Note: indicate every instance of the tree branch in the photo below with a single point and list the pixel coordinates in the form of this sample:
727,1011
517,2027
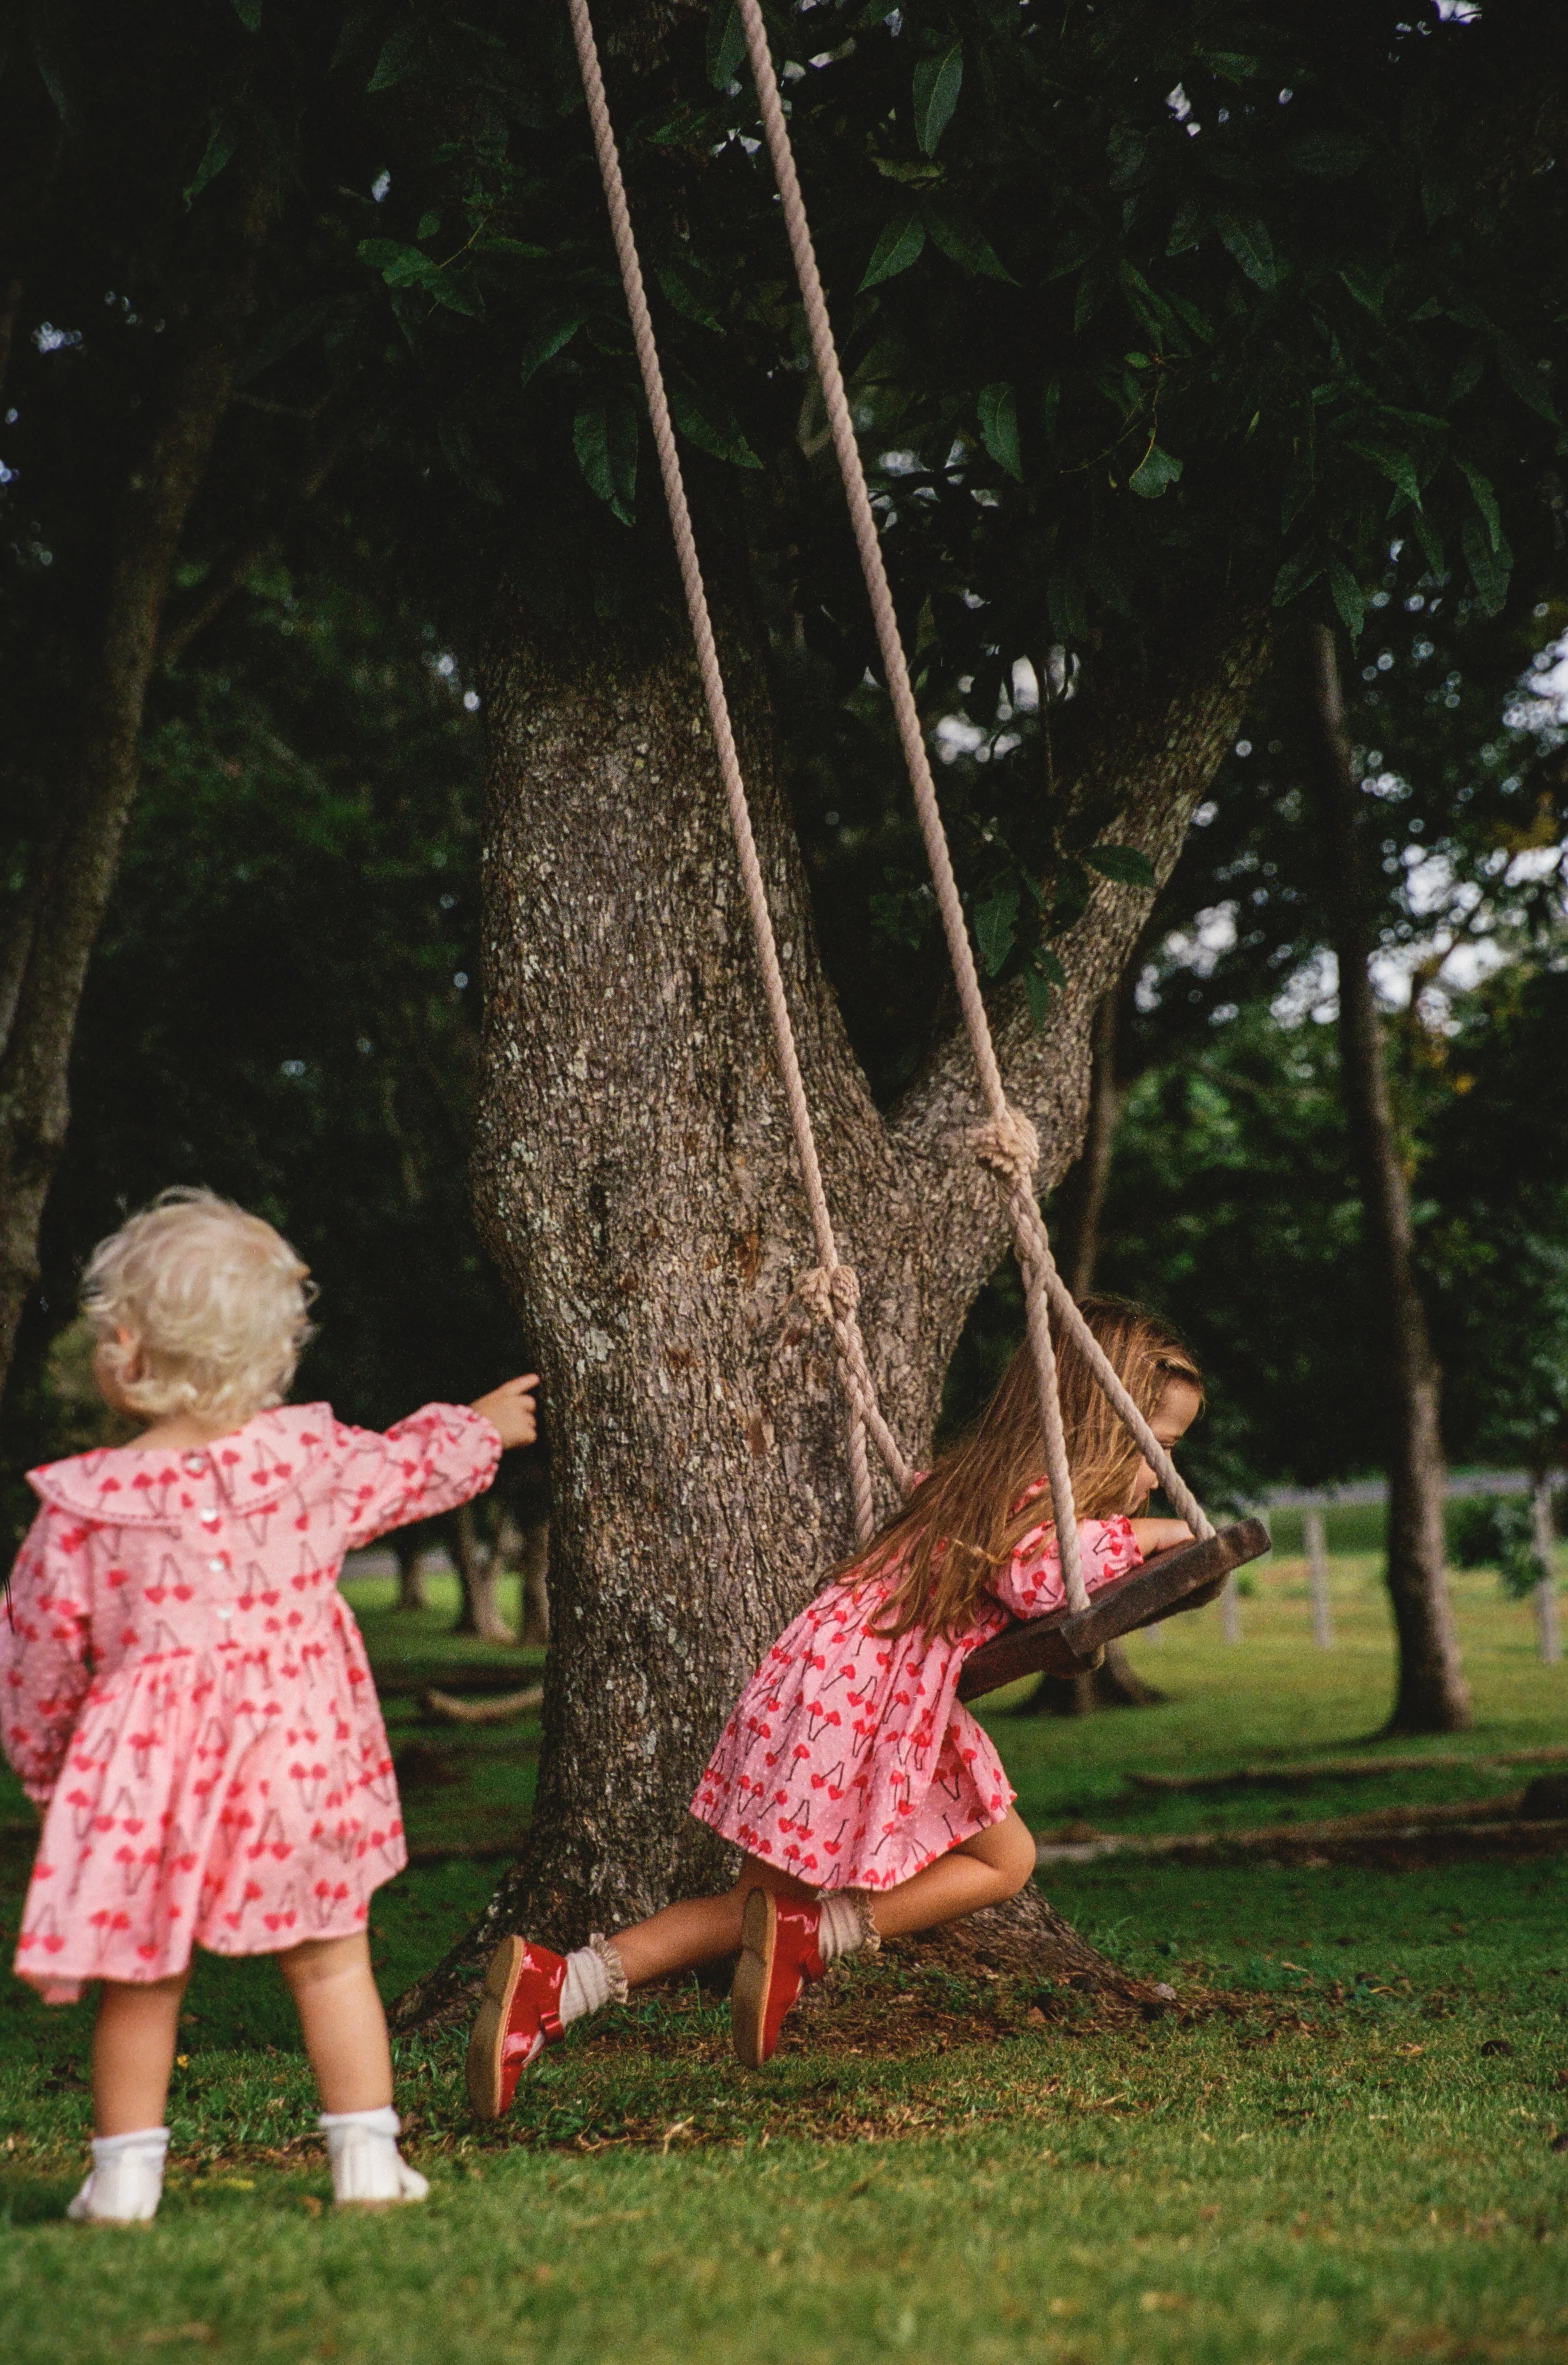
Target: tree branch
1155,763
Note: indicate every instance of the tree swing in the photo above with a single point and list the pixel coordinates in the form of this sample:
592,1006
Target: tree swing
1072,1638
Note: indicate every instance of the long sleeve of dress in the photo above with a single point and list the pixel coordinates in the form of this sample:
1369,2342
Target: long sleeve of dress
1031,1585
441,1456
45,1624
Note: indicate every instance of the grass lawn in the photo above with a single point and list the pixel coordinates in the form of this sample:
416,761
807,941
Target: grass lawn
1354,2161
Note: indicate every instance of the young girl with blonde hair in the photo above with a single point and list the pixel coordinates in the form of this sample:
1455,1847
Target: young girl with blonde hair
184,1693
866,1801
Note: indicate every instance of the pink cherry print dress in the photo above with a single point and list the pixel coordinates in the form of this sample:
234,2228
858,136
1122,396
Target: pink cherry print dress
183,1690
848,1761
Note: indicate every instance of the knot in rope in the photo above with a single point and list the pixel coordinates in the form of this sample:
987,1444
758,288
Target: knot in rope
831,1291
1009,1145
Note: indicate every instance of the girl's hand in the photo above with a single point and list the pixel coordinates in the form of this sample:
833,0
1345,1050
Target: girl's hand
509,1411
1158,1535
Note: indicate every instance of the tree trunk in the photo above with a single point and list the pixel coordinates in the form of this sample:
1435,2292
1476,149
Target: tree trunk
1547,1629
536,1585
1432,1696
635,1182
1115,1683
1078,1208
408,1548
480,1566
77,876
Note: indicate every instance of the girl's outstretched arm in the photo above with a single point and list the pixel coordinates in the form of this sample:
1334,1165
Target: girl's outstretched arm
45,1623
1031,1585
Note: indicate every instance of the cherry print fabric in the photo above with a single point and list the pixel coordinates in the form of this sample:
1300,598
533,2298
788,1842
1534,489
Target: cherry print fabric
848,1760
184,1691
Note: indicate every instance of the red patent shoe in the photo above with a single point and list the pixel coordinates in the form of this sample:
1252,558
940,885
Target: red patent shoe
779,1955
518,2015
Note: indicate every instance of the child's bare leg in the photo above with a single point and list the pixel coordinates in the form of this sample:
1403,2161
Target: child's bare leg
700,1929
133,2052
343,2024
995,1864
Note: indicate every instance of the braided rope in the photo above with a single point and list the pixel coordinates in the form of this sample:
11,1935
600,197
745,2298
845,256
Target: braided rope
1007,1144
832,1291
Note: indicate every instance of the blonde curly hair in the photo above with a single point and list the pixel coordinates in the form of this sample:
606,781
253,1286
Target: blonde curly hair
212,1302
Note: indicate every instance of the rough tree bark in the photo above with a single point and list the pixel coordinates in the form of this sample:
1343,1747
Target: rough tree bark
637,1188
1432,1694
535,1584
76,872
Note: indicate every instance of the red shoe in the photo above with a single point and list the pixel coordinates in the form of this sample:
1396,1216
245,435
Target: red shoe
520,2014
779,1955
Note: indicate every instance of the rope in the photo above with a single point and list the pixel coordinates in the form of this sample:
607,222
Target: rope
1007,1145
832,1291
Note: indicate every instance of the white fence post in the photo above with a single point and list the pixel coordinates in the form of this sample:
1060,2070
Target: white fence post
1317,1563
1547,1635
1230,1611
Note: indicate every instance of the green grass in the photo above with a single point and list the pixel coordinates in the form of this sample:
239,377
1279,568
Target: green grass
1355,2161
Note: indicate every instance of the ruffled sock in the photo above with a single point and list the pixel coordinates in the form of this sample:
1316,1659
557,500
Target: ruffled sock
846,1927
595,1976
367,2167
126,2182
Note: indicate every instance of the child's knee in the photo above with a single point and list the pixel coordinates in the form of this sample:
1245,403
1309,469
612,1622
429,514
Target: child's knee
1015,1856
316,1960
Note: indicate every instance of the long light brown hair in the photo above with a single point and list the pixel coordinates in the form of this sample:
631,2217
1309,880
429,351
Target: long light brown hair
965,1520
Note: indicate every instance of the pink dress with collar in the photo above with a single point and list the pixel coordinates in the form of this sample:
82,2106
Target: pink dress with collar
183,1690
848,1760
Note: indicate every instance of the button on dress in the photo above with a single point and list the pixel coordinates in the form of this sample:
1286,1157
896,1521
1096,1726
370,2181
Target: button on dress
848,1761
185,1693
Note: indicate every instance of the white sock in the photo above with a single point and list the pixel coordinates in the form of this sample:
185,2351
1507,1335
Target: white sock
595,1976
126,2182
362,2147
846,1927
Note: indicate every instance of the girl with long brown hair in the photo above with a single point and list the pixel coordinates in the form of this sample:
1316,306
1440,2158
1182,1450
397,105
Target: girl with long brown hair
866,1801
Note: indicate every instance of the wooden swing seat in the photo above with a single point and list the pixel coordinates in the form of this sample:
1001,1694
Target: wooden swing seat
1068,1641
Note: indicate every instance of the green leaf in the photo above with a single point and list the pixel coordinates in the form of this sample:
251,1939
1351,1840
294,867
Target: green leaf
709,423
902,243
549,339
1187,228
1066,604
687,293
285,335
1247,241
1490,569
220,145
1037,991
996,925
1468,372
1154,473
1295,574
726,44
1398,466
1049,966
1431,543
430,226
401,53
604,436
249,14
997,407
457,451
1368,287
967,246
1486,501
1231,65
1298,487
456,291
1125,864
1329,155
1527,382
1347,597
937,81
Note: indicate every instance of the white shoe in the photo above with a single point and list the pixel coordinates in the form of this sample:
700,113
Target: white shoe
368,2169
127,2180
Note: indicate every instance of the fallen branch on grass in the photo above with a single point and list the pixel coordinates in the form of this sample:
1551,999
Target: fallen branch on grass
447,1705
1301,1775
1483,1826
